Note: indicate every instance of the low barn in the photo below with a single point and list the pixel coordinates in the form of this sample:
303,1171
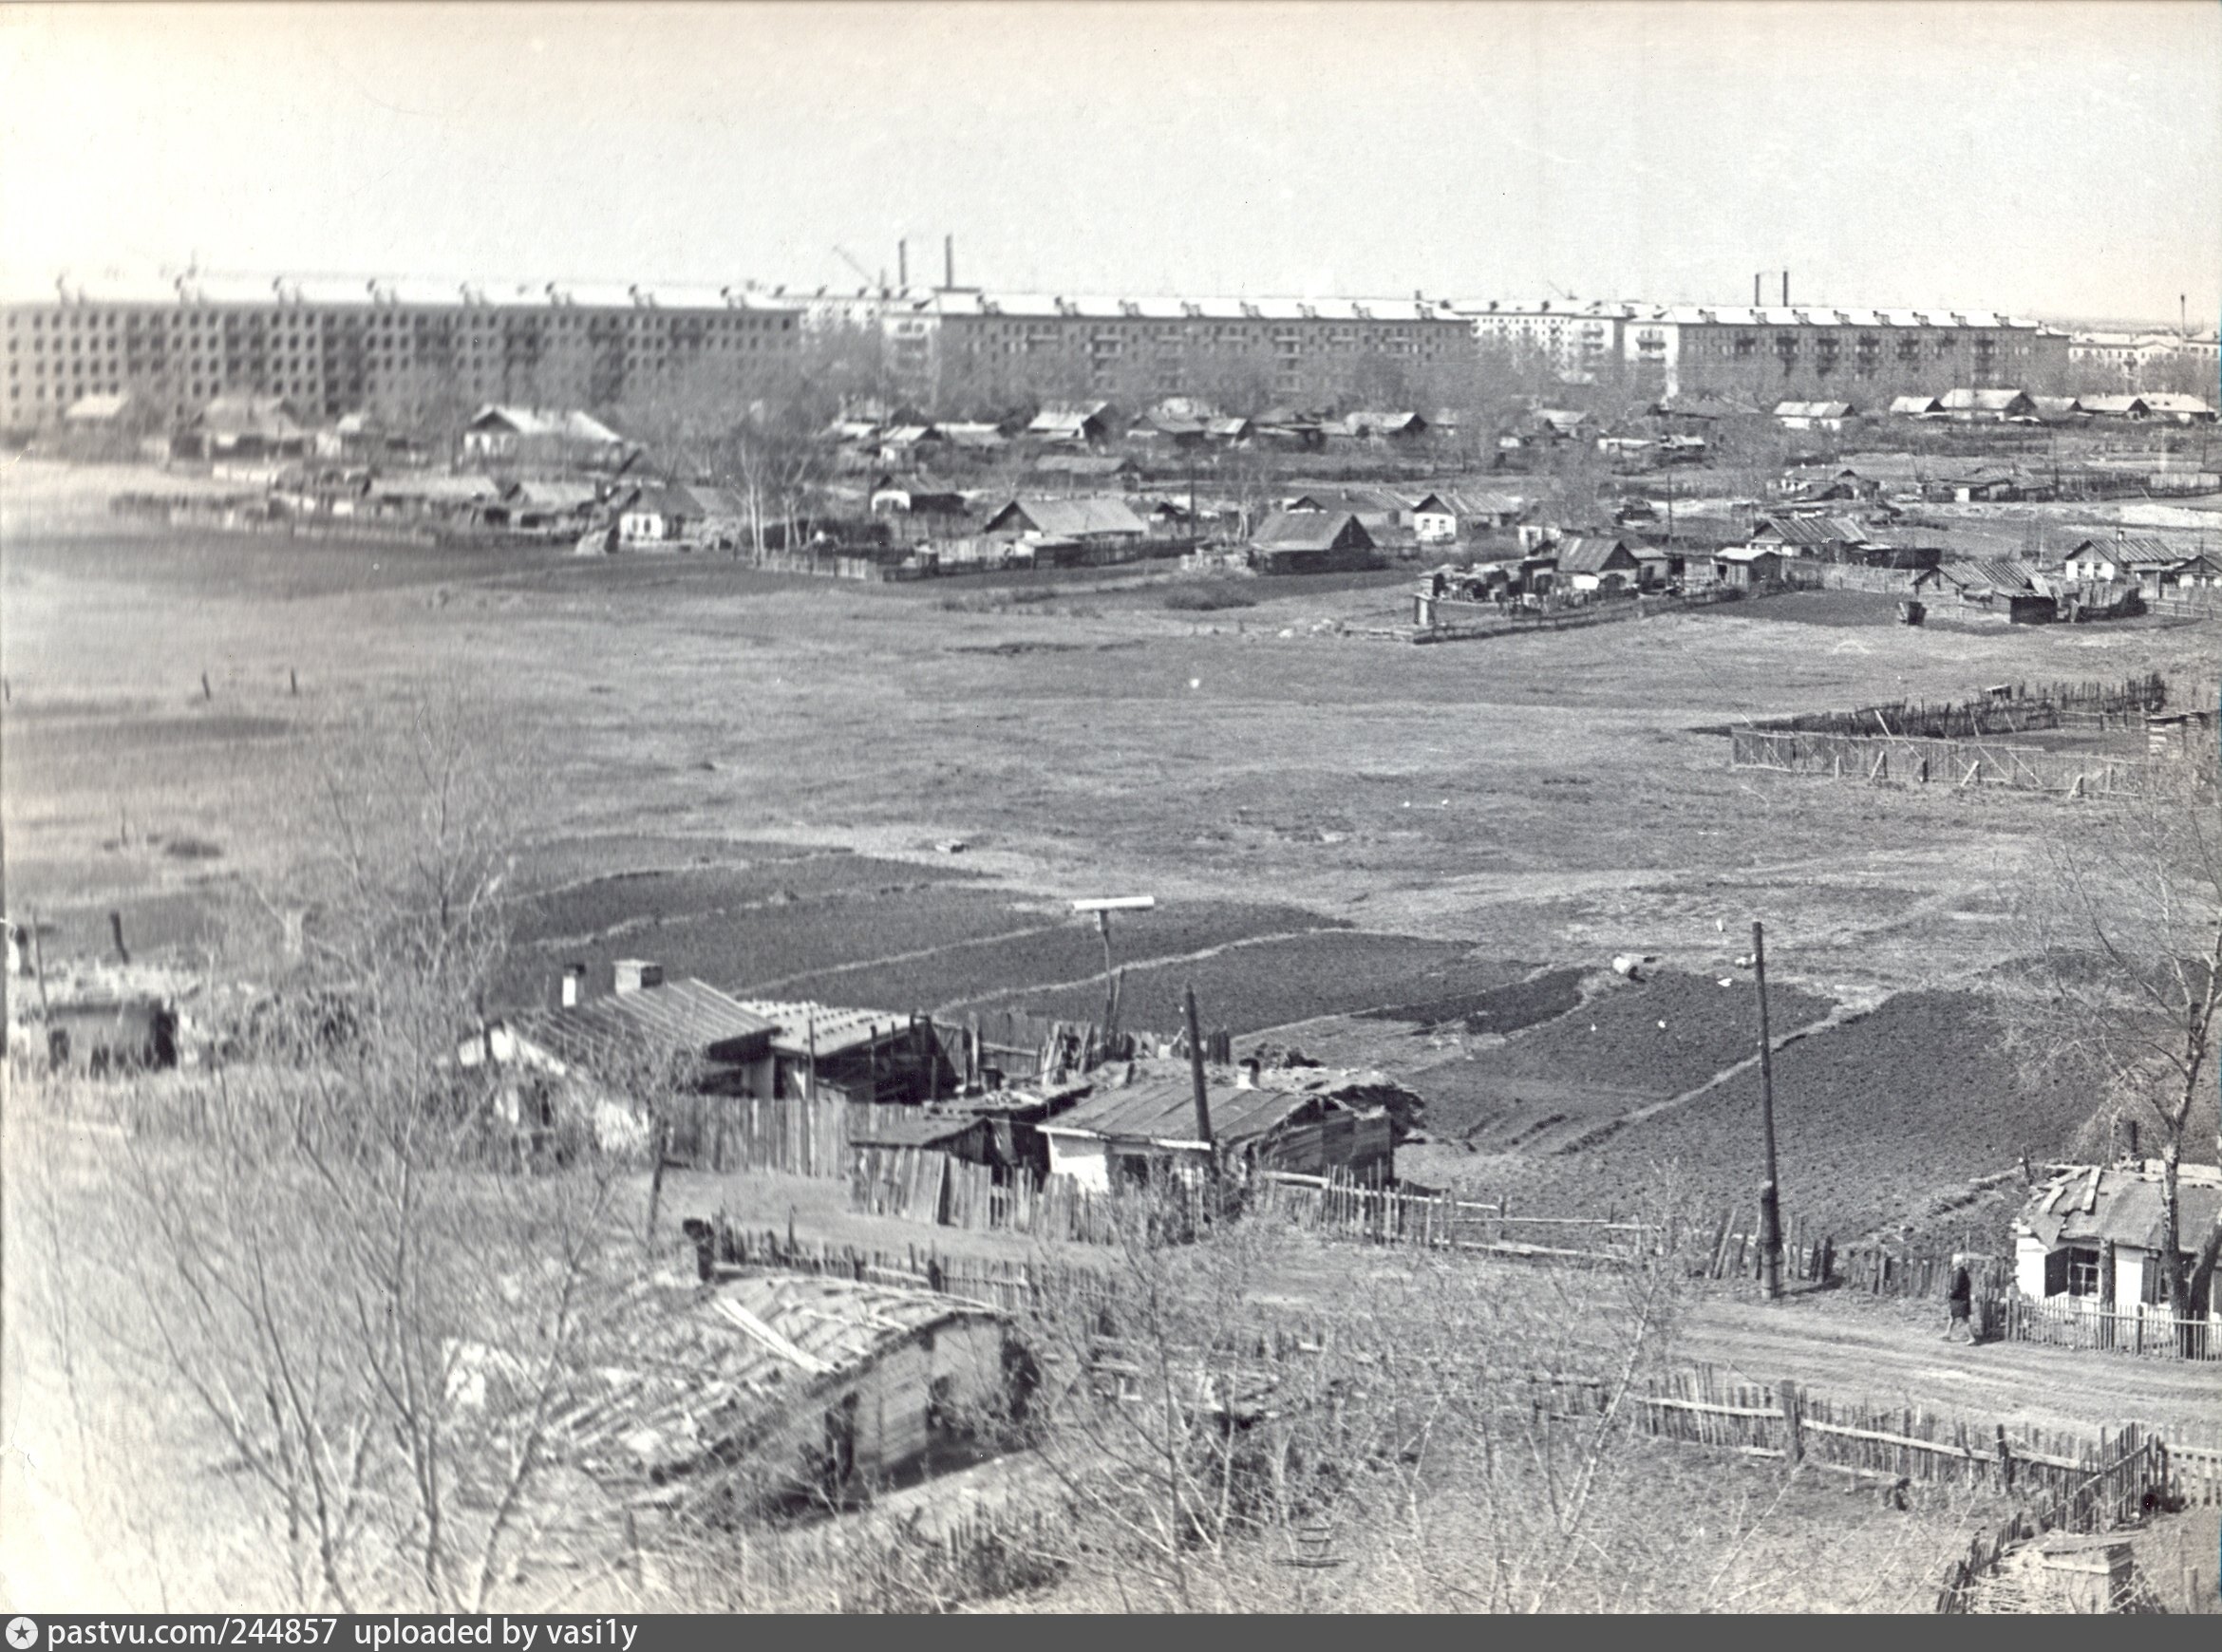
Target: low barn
2093,1232
797,1391
856,1055
1315,1120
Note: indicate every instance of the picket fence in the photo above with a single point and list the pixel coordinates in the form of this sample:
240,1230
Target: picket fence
939,1190
743,1133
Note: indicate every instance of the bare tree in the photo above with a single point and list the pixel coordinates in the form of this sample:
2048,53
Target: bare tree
2123,981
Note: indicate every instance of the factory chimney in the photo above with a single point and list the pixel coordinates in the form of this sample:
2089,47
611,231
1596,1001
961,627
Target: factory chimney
1757,298
1785,290
949,262
902,266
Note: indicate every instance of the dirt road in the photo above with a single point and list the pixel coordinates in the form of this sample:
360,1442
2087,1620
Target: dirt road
1881,1354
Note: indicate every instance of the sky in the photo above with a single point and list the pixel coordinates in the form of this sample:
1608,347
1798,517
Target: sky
2052,158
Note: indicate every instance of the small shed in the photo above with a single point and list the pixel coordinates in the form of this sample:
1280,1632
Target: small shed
1747,566
802,1390
1590,562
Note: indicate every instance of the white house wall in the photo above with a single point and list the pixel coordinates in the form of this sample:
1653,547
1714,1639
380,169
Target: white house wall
1082,1157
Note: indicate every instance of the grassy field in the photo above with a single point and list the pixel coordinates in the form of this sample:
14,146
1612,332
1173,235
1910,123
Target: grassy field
745,776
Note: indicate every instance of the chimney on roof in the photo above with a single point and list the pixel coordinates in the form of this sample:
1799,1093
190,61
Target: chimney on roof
637,975
1245,1075
574,984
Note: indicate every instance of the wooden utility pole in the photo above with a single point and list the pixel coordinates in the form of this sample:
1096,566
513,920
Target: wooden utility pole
1196,1074
1770,1195
1110,978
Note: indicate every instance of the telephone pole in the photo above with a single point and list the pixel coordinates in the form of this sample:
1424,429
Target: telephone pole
1770,1195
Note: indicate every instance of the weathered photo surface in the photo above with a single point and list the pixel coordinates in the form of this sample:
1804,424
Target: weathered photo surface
1125,808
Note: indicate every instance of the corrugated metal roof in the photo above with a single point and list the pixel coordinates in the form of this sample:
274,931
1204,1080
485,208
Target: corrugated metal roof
1589,555
1075,518
1310,531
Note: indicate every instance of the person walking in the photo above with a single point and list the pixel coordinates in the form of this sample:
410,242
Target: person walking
1960,1302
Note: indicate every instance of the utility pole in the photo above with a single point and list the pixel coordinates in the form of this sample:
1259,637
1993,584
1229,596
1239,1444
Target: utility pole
1770,1195
1196,1074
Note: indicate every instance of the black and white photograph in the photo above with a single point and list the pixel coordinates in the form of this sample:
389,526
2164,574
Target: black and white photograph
1102,808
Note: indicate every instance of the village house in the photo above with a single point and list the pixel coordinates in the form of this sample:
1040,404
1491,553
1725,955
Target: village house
1973,406
645,1018
1915,406
1438,519
1310,542
806,1391
1101,521
1747,566
2115,406
549,437
535,505
1399,427
2177,409
1140,1127
243,427
1594,563
1813,415
1087,426
2057,409
2156,568
2092,1233
1831,538
2000,585
671,514
876,1056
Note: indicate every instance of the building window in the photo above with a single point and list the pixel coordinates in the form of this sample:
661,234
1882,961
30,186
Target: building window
2082,1272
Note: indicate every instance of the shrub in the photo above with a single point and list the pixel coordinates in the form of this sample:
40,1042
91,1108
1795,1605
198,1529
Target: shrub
1206,598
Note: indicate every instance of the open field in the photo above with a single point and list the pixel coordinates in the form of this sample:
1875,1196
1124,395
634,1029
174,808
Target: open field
745,776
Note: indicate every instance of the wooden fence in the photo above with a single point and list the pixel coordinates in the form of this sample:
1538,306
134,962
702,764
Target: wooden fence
928,1186
2070,1322
796,1138
2115,1486
1959,764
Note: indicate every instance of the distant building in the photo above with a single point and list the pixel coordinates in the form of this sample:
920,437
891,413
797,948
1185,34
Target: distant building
333,346
1084,520
1812,415
1997,406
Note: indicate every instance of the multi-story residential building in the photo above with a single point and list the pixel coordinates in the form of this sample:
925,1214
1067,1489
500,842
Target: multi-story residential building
1862,356
1577,339
2143,361
333,346
959,342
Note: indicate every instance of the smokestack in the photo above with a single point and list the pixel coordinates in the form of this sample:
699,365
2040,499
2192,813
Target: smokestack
903,264
948,261
1785,290
1756,298
574,984
637,975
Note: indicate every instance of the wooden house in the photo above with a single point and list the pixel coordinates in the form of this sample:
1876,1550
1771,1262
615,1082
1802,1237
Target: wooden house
1592,562
1747,566
1813,415
856,1055
800,1391
1101,521
2092,1233
1139,1127
1310,542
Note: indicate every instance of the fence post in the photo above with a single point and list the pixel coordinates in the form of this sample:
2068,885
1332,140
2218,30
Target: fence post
1793,1434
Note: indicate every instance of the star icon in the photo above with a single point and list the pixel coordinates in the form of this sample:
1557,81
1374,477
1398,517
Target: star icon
22,1634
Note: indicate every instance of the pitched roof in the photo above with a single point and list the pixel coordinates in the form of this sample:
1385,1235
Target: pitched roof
1812,409
1813,530
241,414
1083,465
801,1025
1159,1104
1074,519
1914,404
96,409
1589,555
570,423
2171,402
717,1362
2113,404
1310,531
2125,1206
1987,573
1973,400
683,1014
2134,551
